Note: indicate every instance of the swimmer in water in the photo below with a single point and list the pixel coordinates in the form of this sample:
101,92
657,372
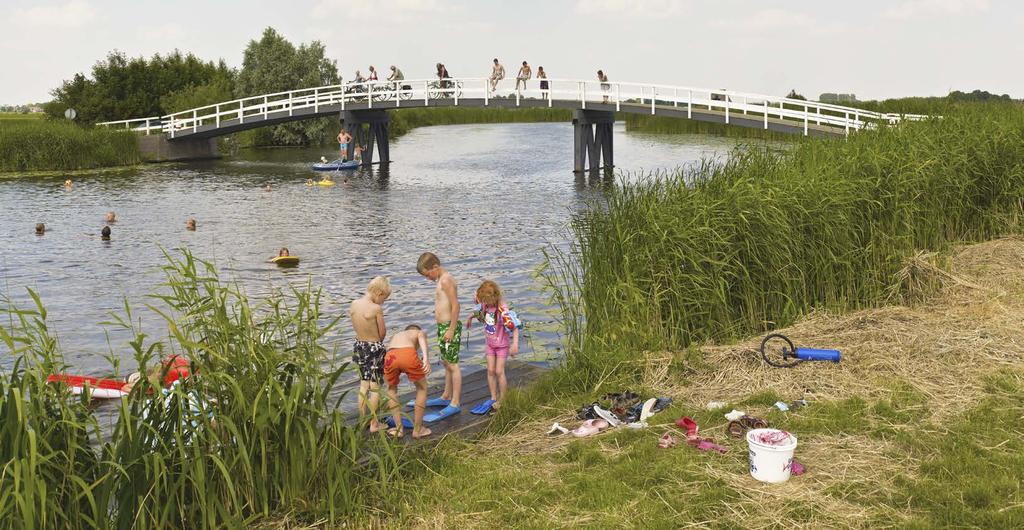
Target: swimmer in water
190,224
309,182
283,253
68,184
111,217
40,229
105,233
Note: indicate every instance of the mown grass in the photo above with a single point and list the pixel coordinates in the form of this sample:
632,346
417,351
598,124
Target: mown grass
265,439
39,145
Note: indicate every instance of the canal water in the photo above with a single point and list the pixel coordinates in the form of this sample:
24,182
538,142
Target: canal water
486,198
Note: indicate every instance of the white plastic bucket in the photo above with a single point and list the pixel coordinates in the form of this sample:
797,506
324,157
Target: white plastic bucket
770,463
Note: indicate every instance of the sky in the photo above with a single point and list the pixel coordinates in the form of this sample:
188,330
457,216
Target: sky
874,49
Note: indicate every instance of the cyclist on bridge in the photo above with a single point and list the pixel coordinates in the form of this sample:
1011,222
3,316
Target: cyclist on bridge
396,74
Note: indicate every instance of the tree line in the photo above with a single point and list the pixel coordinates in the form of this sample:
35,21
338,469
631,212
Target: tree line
122,87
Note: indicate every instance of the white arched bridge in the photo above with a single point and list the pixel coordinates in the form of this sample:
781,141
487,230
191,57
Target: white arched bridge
595,104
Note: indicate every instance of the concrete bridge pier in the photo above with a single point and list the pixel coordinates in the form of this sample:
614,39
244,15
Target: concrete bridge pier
378,120
592,140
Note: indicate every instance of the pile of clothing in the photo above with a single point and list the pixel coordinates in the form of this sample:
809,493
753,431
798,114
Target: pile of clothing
613,410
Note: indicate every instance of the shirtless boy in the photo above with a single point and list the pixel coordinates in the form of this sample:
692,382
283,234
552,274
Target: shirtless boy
368,351
449,334
401,359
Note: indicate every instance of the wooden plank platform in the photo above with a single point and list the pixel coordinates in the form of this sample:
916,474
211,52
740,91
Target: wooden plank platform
474,392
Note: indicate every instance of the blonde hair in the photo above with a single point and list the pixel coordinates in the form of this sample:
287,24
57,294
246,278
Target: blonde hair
488,293
379,286
426,262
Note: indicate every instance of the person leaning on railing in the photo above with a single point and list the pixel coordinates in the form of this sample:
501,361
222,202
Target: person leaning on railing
605,87
544,86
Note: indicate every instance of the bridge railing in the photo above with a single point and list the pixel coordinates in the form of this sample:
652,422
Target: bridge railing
729,105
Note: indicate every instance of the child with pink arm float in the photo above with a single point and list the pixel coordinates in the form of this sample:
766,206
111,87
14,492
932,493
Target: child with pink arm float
501,335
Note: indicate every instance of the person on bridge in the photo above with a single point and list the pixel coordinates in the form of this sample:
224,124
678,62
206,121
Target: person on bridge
525,73
396,75
373,74
443,76
544,86
358,78
497,74
605,87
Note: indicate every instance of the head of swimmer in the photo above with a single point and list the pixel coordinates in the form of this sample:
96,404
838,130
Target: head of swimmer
283,252
190,224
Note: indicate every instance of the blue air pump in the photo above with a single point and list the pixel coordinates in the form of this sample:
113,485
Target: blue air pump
778,351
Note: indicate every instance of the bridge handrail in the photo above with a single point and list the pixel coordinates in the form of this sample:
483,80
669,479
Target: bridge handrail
816,111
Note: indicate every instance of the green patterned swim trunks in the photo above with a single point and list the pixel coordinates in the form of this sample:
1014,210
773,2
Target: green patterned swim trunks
449,350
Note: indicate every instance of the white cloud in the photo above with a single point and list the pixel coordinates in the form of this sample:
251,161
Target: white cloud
644,8
73,14
918,8
768,19
380,8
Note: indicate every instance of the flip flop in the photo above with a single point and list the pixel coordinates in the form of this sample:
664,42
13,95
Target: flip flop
607,416
390,422
483,408
439,415
648,409
557,429
432,402
589,427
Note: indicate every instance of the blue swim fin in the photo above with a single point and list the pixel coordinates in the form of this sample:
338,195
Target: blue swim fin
390,422
446,412
432,402
483,408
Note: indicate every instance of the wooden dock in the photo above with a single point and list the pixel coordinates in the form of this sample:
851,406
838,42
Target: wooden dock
474,392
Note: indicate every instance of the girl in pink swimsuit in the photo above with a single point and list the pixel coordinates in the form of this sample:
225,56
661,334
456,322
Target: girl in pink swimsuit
501,335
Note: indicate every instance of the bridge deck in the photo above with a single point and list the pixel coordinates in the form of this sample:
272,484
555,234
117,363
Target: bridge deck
751,120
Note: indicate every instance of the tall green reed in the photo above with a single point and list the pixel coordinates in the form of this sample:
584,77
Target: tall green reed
729,248
255,434
36,145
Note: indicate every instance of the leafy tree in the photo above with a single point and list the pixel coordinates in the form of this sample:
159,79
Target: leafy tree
272,64
123,88
217,91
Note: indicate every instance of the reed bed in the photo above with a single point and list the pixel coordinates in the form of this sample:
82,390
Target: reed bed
254,435
39,145
727,249
646,123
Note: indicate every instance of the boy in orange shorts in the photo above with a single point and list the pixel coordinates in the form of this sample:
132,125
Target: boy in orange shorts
401,359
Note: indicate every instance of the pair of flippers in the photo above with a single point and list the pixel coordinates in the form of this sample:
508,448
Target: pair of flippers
448,410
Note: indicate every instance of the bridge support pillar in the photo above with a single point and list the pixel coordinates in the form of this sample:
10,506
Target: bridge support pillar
592,140
375,135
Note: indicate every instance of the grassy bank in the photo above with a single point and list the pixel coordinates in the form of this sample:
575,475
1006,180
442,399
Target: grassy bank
666,290
403,121
917,427
256,433
724,250
663,125
32,144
